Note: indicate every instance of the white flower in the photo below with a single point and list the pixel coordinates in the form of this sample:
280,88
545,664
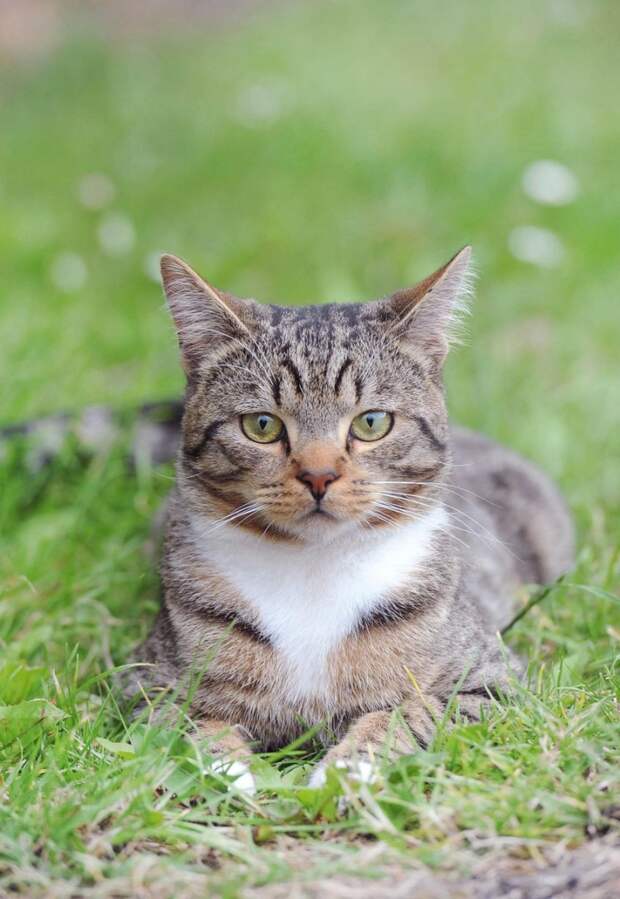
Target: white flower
263,102
116,234
536,245
550,183
95,191
68,272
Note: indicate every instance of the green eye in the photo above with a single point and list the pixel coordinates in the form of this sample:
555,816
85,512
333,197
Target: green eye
372,425
262,427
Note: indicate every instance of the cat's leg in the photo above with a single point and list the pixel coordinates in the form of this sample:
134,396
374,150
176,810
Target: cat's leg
378,736
372,737
228,743
231,750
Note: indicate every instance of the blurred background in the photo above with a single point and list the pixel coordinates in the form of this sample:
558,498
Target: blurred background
311,152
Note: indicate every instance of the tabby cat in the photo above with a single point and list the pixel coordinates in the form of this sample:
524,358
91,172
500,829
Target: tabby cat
335,551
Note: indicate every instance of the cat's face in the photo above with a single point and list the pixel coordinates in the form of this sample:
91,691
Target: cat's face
304,423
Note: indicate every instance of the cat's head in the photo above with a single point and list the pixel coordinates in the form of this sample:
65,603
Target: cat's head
304,423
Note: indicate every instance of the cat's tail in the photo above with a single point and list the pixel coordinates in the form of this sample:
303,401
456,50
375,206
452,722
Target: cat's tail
151,432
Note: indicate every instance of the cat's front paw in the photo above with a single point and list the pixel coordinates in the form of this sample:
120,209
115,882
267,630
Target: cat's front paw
361,769
237,771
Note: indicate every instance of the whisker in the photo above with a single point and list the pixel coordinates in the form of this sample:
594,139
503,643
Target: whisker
465,527
267,528
375,513
449,531
453,488
405,497
238,520
240,512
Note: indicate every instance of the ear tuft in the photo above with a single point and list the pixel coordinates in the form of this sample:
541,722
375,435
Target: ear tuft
204,317
431,313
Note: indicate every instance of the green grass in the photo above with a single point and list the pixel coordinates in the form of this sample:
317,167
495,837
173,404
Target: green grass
392,134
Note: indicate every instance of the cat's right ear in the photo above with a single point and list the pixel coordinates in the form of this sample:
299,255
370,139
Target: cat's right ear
429,314
205,318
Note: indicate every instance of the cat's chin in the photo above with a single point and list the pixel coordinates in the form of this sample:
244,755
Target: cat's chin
321,528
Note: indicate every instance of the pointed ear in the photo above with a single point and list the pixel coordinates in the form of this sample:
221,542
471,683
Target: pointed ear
205,318
430,313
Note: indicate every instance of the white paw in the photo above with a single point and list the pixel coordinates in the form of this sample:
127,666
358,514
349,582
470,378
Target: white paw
239,773
318,777
360,770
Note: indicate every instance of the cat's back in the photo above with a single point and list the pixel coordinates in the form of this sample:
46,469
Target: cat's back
504,497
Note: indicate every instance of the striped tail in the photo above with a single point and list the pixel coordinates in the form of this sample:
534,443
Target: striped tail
153,431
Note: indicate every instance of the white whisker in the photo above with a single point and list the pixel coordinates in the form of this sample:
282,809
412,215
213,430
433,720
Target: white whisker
452,488
237,515
405,497
410,515
464,526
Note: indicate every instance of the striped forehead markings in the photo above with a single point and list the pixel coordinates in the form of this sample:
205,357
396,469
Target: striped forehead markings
341,373
295,374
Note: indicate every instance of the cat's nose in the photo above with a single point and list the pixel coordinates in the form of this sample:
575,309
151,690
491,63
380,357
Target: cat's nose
317,482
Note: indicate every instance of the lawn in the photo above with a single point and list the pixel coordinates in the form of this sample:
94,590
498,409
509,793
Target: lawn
318,151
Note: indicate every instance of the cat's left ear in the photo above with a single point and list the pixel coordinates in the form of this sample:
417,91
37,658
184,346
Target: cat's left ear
206,319
430,313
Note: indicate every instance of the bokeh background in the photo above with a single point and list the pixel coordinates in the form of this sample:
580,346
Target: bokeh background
318,151
310,152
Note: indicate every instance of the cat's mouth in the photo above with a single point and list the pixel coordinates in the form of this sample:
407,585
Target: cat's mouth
318,510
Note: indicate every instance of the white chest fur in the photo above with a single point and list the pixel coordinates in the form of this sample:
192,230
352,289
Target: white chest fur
308,598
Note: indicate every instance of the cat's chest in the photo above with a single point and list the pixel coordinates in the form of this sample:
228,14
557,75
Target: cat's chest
309,599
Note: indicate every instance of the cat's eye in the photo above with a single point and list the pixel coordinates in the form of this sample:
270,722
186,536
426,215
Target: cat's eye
372,425
262,427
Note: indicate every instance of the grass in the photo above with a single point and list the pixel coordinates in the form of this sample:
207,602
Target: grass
319,151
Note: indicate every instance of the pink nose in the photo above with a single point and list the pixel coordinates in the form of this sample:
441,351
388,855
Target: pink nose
317,482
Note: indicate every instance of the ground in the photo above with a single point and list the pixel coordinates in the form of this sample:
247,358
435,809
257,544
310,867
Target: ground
313,152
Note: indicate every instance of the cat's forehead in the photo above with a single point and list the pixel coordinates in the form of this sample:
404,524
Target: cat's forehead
324,359
317,333
340,314
315,342
315,363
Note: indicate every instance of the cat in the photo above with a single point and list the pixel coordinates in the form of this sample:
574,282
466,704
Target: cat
337,556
